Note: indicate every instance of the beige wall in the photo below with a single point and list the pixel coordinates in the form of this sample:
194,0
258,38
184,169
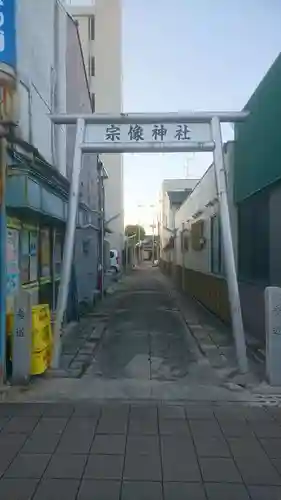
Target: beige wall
107,49
107,87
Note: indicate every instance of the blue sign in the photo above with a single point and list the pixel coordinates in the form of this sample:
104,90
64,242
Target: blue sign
7,33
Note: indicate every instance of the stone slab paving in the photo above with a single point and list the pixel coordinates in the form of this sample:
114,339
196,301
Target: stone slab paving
85,451
79,345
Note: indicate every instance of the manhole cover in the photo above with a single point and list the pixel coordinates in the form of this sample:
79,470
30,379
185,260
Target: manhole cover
268,399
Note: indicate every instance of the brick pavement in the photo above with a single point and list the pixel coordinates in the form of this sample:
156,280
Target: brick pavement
86,451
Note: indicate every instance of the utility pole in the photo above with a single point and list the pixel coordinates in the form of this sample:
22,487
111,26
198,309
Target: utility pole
126,253
134,246
158,243
153,226
153,257
102,222
183,259
139,238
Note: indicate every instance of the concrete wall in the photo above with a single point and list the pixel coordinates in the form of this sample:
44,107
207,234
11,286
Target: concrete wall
60,94
35,55
78,101
87,45
275,237
36,71
86,258
41,77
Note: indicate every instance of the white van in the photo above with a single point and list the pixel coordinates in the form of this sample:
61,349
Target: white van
114,260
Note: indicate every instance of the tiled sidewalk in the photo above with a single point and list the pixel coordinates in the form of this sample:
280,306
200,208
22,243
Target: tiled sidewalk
139,452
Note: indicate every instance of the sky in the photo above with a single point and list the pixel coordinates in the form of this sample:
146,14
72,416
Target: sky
189,55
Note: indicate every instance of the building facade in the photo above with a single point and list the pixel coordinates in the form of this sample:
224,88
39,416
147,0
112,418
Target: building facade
173,193
195,257
257,195
100,29
39,158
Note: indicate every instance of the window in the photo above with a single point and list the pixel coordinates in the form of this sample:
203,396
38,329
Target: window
92,27
93,99
184,240
58,249
197,235
45,253
93,66
217,266
28,256
33,254
24,256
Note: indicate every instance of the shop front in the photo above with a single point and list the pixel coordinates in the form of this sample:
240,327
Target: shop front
37,207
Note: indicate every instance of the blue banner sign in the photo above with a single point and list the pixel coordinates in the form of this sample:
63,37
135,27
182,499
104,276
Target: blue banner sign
7,33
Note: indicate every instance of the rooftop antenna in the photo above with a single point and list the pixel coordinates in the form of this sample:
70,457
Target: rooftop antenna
189,158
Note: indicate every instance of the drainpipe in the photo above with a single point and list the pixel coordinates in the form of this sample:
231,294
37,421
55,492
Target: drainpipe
102,241
3,264
58,87
101,224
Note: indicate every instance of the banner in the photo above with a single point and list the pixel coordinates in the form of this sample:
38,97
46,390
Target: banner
12,257
7,33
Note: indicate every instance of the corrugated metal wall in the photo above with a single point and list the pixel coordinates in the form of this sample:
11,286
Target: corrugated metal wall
258,145
254,238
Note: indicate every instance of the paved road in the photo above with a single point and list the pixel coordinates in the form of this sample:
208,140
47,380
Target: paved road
141,452
146,353
156,445
147,338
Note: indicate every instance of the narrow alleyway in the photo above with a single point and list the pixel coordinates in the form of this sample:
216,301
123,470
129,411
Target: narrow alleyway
147,338
144,342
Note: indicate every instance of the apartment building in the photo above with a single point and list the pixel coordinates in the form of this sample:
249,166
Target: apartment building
100,29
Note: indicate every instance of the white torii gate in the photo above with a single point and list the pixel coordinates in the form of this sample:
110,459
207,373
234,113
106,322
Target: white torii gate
151,132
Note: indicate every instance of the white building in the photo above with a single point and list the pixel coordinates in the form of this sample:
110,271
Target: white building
195,257
100,28
173,193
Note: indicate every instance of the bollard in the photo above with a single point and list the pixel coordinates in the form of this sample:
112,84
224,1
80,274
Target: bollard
22,339
273,334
